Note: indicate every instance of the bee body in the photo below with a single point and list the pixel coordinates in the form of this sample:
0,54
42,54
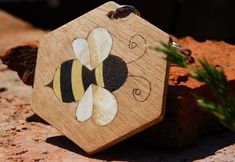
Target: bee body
72,79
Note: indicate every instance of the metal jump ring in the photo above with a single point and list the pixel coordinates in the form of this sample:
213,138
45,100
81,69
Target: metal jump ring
184,51
187,52
123,11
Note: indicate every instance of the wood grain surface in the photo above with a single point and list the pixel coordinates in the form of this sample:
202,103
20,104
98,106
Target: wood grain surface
140,100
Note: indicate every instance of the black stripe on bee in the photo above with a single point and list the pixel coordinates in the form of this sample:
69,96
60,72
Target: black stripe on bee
65,81
88,77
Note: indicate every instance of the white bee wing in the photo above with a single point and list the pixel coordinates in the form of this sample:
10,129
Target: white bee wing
100,44
95,49
81,50
85,106
104,106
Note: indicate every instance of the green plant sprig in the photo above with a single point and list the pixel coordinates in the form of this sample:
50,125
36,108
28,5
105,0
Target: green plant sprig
224,108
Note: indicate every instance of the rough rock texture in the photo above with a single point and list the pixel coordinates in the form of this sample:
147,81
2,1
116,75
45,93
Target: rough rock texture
26,137
23,60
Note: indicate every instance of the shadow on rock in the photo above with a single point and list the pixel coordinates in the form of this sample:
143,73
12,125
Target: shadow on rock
131,150
36,118
63,142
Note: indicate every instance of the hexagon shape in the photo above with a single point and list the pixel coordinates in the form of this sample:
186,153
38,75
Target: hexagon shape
97,81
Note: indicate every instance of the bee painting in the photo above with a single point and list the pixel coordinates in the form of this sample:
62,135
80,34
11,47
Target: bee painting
91,78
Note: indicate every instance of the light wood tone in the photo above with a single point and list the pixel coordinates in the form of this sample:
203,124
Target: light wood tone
132,116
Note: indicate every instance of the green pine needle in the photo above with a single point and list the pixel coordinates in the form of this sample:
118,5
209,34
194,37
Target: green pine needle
214,78
224,108
224,114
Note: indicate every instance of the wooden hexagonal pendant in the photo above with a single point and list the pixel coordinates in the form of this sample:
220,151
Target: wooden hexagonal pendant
97,81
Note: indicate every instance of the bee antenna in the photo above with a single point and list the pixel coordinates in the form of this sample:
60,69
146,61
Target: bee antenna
133,44
139,94
50,84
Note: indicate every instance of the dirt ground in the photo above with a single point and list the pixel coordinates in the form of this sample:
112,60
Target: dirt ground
26,137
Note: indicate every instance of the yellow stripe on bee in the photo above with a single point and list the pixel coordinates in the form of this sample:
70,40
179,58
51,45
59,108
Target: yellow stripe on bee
99,75
76,79
56,84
